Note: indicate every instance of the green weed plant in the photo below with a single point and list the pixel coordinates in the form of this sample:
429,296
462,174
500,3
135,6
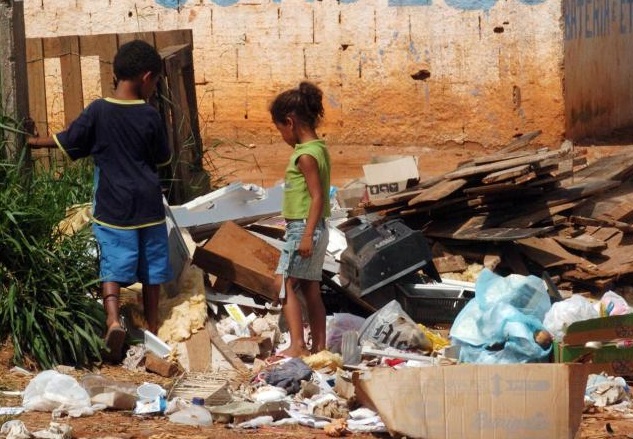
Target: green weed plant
48,281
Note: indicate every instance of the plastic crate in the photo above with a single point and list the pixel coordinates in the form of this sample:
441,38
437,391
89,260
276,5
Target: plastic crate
431,304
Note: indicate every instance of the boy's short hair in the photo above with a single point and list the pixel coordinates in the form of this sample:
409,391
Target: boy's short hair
136,58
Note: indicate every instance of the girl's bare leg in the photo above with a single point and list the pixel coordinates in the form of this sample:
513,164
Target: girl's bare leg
291,308
316,313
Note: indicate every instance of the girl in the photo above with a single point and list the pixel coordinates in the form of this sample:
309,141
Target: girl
296,113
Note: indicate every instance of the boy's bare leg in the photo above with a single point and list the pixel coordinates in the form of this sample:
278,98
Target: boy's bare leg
316,313
291,308
111,292
115,334
151,295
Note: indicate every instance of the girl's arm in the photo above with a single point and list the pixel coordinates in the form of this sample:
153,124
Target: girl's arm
310,170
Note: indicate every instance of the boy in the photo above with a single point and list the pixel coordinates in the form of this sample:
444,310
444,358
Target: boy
126,139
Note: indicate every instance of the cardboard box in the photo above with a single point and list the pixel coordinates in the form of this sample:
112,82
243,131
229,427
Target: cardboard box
234,254
350,195
388,175
478,401
609,358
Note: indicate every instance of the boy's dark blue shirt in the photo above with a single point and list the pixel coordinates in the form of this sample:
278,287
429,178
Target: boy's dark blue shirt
128,143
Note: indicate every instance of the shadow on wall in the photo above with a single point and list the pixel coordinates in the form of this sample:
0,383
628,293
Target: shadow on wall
619,137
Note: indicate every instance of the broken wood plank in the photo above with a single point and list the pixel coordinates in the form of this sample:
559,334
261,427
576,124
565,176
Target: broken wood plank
438,191
224,349
584,243
520,142
449,203
242,258
579,190
625,227
506,174
470,230
249,348
548,253
539,215
197,349
615,167
525,178
160,366
605,234
512,259
476,161
450,263
504,164
501,188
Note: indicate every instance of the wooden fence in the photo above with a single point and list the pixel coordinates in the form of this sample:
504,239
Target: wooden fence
176,97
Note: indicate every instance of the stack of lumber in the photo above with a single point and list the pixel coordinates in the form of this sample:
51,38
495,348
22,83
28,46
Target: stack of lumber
528,210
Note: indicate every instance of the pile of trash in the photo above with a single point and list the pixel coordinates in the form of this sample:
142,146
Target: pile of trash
404,331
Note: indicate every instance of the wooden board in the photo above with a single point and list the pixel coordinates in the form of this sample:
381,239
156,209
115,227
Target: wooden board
173,38
103,46
70,67
614,167
520,142
148,37
242,258
37,84
538,215
224,349
506,174
497,166
438,191
548,253
584,243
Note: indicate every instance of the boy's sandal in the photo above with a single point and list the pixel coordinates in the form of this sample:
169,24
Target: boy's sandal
114,340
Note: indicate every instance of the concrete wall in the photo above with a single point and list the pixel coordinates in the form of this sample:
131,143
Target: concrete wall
486,69
598,66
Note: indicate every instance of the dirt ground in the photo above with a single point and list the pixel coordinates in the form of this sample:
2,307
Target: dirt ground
263,165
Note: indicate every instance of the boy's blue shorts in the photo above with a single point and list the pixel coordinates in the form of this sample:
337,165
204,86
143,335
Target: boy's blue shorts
134,255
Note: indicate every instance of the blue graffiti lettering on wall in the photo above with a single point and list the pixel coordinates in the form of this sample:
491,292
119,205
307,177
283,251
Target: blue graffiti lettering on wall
466,5
171,4
409,2
586,19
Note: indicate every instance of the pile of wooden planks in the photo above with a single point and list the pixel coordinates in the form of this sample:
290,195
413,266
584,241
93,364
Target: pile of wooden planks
530,211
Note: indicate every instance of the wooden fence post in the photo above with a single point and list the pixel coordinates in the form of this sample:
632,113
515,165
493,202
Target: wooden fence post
14,103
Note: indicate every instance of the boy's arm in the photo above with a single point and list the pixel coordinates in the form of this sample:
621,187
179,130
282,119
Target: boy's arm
41,142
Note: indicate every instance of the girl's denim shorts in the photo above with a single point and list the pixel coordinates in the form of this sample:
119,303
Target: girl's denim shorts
291,264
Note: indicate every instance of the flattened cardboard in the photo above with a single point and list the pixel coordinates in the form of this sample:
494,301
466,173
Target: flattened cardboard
513,401
610,359
389,175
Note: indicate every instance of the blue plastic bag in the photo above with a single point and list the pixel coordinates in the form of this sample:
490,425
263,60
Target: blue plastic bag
499,324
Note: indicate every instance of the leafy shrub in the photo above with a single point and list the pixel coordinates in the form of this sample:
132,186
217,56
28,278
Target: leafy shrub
48,281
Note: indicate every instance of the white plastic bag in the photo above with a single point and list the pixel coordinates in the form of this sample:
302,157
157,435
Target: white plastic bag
613,304
392,326
337,325
564,313
50,390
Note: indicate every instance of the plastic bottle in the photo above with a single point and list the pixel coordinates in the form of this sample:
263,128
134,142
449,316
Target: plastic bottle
195,414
